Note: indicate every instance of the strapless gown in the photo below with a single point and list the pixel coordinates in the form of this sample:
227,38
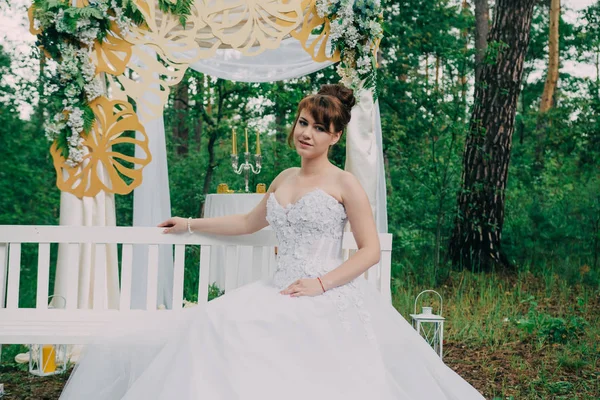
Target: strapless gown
254,343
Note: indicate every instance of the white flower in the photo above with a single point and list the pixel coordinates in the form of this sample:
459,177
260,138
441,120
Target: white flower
75,156
58,117
88,69
61,26
75,141
93,89
75,120
71,91
53,129
83,23
364,64
88,36
351,36
323,7
69,65
50,89
346,12
336,30
375,28
123,22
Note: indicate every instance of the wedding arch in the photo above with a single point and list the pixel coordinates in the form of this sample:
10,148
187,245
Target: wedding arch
116,61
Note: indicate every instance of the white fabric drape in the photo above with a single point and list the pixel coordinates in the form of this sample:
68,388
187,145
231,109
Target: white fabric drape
152,205
381,217
87,211
288,61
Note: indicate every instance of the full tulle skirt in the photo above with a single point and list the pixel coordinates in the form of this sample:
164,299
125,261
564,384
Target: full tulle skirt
254,343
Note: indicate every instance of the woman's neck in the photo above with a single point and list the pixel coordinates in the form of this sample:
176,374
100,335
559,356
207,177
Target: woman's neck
310,167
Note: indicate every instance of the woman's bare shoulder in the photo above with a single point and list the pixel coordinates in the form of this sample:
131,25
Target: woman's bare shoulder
282,177
348,184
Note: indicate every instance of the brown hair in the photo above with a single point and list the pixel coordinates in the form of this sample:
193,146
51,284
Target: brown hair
331,105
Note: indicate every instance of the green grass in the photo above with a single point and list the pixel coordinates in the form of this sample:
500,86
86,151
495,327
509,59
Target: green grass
528,336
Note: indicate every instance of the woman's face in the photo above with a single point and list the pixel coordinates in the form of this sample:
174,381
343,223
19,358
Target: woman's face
311,138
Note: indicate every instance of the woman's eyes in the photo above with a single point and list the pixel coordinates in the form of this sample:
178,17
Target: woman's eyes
319,128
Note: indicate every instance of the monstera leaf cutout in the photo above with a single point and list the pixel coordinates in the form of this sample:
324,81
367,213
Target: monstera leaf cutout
103,168
112,54
316,47
252,26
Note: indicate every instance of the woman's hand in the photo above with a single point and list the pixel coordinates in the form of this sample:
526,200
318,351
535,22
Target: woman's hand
304,287
174,225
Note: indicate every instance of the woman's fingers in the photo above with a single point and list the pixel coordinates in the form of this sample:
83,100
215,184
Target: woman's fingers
290,289
167,223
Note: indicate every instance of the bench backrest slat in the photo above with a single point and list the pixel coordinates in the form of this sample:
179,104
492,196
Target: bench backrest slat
72,275
152,288
204,266
126,274
99,294
14,275
230,265
43,278
178,274
3,273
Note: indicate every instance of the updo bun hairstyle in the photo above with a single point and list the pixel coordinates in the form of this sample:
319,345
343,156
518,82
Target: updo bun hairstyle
332,104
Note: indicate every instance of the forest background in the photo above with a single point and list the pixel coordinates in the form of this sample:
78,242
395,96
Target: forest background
530,330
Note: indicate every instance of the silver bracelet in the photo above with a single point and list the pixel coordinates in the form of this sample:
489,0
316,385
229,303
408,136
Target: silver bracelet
189,224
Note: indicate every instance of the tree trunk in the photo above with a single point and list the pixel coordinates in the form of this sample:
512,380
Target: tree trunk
482,27
214,134
388,174
463,75
476,238
210,168
181,132
549,87
198,124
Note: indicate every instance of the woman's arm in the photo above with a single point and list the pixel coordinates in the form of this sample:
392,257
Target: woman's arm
239,224
365,233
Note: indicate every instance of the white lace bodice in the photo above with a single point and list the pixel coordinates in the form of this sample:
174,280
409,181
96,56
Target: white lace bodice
310,234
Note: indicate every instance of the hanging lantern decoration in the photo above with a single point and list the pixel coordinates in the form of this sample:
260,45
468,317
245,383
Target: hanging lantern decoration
430,325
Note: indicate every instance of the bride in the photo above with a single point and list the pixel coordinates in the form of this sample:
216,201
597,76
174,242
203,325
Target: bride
315,330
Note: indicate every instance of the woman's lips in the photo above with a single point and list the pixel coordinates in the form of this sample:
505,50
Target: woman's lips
304,143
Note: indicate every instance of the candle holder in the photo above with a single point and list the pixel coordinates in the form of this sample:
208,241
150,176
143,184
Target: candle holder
246,166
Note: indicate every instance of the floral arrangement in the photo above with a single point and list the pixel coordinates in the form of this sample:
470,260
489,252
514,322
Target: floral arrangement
355,31
69,32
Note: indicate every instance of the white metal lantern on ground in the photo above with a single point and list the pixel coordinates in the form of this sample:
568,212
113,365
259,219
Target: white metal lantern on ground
47,359
430,325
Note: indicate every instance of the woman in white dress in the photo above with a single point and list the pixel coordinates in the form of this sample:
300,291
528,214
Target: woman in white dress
314,330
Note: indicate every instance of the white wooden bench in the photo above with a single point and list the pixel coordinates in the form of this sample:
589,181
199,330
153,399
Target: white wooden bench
74,326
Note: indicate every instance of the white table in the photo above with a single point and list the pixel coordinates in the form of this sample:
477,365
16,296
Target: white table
218,205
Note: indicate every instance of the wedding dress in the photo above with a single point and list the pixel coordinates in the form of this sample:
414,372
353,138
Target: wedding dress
254,343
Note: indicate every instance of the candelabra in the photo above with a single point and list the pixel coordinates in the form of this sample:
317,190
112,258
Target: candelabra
246,166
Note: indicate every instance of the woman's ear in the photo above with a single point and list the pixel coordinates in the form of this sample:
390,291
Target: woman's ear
336,138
